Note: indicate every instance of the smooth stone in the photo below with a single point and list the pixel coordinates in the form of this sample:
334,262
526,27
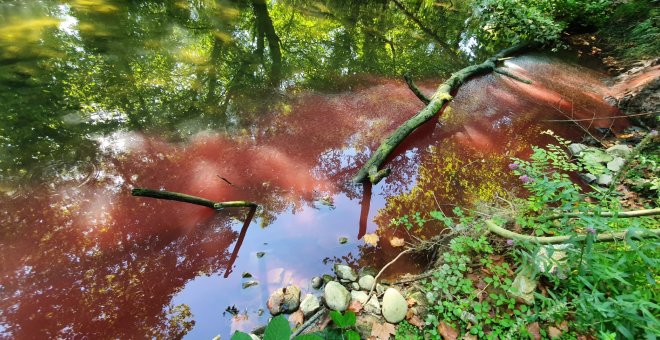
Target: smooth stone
261,254
309,305
372,306
336,296
621,150
327,278
345,272
604,179
359,296
343,240
367,282
394,307
576,148
249,284
317,282
616,164
523,288
246,275
589,178
355,286
284,300
380,289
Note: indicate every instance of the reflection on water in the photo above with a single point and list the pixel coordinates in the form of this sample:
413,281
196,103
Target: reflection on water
275,104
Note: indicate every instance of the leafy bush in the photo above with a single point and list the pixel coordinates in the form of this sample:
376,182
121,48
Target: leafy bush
603,288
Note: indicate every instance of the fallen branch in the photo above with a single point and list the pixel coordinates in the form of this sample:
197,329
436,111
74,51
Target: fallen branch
416,89
175,196
604,237
627,162
512,76
441,97
309,322
621,214
383,269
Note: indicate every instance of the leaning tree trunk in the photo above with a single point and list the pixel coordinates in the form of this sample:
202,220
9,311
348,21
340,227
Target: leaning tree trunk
370,171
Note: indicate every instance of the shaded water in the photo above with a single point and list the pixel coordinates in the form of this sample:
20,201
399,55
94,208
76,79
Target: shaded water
101,97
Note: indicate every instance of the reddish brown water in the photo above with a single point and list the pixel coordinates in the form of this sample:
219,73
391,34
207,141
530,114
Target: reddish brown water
81,257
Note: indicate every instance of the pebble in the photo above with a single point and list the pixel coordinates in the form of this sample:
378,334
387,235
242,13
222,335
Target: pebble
366,282
249,284
284,300
336,296
616,164
355,286
359,296
372,306
576,148
309,305
394,307
345,272
604,179
317,282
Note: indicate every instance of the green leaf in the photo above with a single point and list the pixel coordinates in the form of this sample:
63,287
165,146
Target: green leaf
349,319
337,318
352,335
241,336
278,328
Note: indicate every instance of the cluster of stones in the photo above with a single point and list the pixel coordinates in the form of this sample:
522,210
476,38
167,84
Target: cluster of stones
339,294
613,159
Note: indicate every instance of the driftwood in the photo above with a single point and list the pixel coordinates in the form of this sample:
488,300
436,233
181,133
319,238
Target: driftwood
443,95
175,196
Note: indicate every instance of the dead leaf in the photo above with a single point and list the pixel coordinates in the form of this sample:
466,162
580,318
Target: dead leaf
534,330
397,242
564,326
447,331
554,332
355,306
416,321
297,318
469,337
371,239
411,302
382,331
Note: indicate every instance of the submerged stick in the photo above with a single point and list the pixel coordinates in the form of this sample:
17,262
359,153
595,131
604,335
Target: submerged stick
604,237
512,76
175,196
441,97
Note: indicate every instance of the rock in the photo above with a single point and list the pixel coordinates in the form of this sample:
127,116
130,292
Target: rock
261,254
604,179
380,289
355,286
364,324
421,303
552,259
246,275
576,148
336,296
260,312
372,306
621,150
359,296
309,305
394,307
250,284
594,156
616,164
589,178
317,282
366,282
343,240
284,300
345,272
523,288
327,278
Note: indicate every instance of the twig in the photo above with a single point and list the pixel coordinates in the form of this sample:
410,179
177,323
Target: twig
604,237
512,76
385,267
175,196
309,322
416,89
415,278
224,179
601,118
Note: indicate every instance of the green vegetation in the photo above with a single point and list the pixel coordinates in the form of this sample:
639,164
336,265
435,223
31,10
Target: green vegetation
608,289
278,328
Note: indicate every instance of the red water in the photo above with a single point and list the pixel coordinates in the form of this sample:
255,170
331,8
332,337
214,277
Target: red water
89,260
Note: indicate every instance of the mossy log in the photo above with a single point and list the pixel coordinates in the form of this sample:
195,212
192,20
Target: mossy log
441,97
175,196
603,237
